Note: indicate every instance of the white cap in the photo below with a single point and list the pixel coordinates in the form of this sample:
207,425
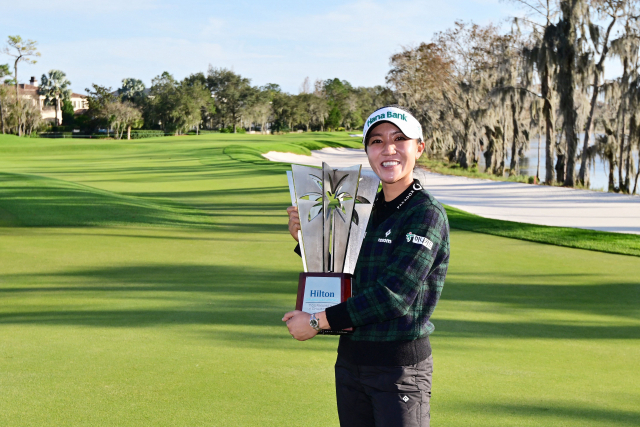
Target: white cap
401,118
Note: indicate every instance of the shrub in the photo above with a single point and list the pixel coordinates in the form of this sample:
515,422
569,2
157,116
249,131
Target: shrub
202,132
340,129
144,133
56,135
230,130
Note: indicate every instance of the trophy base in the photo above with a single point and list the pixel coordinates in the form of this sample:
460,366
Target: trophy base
319,291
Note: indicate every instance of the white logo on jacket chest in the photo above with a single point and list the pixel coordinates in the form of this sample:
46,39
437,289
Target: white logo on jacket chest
419,240
385,240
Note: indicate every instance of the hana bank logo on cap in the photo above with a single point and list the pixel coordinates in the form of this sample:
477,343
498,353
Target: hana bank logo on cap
404,120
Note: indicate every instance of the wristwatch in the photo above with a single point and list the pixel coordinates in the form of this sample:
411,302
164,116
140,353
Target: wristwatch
314,322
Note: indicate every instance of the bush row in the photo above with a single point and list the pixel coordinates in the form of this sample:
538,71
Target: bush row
139,134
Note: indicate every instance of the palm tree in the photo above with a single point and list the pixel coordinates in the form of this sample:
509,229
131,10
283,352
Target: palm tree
55,87
131,88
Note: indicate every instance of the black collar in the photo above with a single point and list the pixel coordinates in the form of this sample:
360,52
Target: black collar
383,209
402,199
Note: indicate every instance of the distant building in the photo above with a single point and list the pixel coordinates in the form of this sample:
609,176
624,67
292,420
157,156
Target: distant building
30,92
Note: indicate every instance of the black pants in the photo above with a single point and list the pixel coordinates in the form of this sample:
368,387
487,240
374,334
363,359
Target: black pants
384,396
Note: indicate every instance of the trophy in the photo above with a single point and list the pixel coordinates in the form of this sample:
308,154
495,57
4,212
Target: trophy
334,206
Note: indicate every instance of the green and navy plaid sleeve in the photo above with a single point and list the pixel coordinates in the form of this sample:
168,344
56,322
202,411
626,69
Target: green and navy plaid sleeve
402,286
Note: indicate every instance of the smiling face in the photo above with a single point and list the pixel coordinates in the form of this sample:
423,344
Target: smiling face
392,156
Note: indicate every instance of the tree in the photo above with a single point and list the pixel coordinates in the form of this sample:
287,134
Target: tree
541,55
6,100
131,89
611,10
422,78
232,93
98,97
121,116
18,117
4,71
337,92
260,109
194,99
568,51
163,92
178,106
283,108
315,110
305,87
67,113
333,119
55,88
509,86
470,47
23,51
623,93
27,117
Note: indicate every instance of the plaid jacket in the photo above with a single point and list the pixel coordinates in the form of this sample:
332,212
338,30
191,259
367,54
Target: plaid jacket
399,275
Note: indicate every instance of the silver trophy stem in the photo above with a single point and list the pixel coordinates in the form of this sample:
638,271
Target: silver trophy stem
294,202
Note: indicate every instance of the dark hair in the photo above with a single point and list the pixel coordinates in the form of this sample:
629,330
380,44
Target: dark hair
398,106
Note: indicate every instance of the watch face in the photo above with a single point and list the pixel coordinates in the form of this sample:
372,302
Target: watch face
314,323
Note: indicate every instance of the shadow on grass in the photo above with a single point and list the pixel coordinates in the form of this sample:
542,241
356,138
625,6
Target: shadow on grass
158,295
245,295
585,416
595,294
33,201
472,328
38,201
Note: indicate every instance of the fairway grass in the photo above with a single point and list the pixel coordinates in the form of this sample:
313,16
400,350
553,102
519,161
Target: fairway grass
157,299
614,243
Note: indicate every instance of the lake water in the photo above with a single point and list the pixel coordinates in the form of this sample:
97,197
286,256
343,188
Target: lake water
599,177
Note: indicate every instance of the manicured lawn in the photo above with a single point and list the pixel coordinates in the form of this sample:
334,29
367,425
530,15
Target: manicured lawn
143,283
614,243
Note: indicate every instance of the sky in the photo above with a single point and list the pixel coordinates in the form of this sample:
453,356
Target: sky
104,41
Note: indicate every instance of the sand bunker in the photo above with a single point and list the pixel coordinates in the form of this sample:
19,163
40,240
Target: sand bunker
534,204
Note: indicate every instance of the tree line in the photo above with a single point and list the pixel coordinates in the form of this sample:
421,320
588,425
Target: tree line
221,99
479,91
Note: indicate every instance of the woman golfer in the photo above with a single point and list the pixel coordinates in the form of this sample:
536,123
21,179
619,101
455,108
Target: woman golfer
383,371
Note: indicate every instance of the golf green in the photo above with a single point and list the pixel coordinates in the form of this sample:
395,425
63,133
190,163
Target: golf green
143,283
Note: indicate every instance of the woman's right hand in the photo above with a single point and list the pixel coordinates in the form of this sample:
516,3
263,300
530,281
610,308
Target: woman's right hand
294,221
